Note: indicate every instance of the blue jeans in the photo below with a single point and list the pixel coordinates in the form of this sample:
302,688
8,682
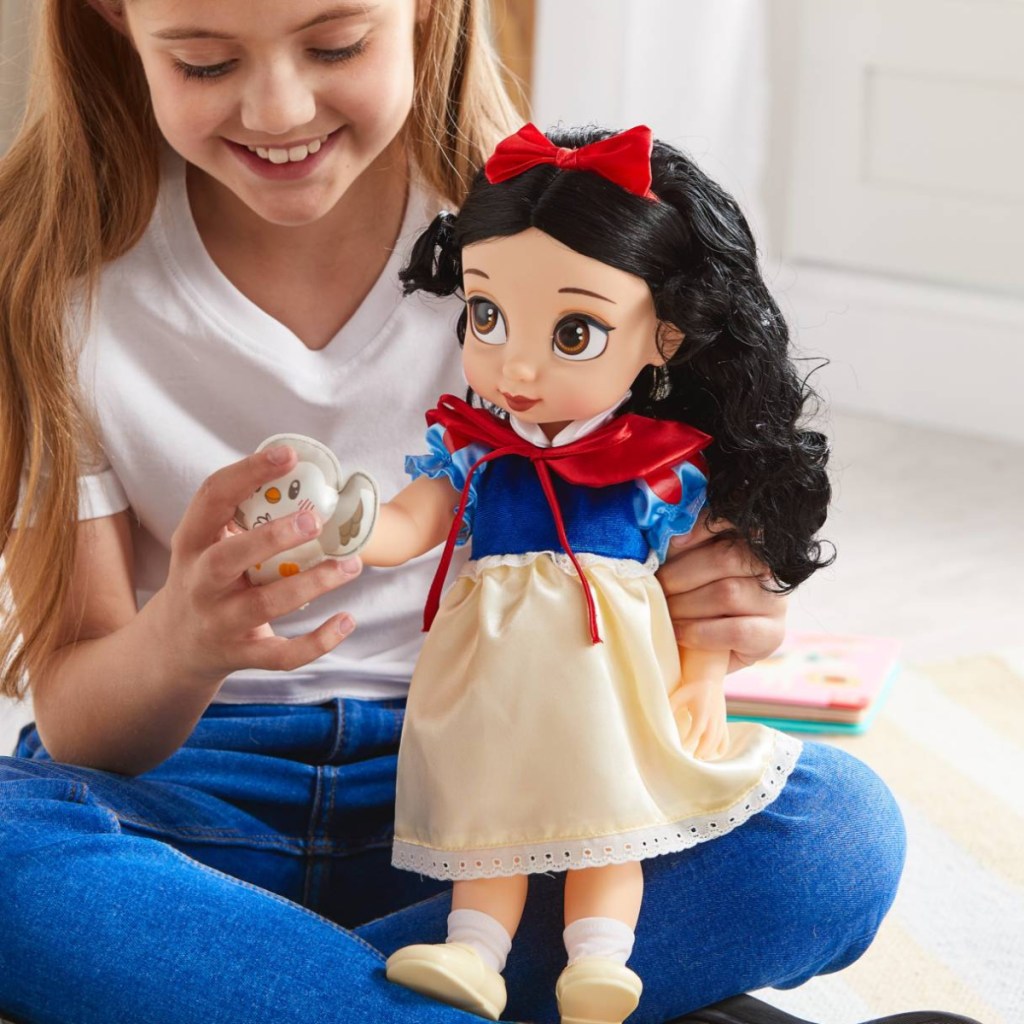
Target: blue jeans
247,879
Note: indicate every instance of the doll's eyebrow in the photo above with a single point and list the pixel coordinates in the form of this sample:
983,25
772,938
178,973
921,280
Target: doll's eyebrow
583,291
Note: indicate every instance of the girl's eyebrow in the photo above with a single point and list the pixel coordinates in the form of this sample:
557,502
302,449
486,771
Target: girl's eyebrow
583,291
472,270
334,14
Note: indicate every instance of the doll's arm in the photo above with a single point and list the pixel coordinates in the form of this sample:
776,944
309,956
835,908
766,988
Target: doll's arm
699,702
417,519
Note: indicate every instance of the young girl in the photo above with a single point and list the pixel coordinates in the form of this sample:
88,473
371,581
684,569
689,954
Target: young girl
201,225
601,280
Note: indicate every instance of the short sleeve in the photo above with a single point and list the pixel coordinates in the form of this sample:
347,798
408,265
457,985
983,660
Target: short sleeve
455,466
659,520
100,494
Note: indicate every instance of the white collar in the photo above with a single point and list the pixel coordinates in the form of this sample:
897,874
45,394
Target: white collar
571,432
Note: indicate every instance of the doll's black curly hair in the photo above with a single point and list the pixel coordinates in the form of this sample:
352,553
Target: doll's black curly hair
732,376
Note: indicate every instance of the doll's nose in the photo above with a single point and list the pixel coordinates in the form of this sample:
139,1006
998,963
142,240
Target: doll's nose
518,368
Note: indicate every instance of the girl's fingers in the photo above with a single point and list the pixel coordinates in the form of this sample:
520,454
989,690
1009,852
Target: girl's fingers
749,637
222,492
703,556
232,555
282,654
731,595
249,608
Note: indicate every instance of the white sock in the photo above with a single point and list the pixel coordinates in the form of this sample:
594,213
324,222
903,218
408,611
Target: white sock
599,936
485,934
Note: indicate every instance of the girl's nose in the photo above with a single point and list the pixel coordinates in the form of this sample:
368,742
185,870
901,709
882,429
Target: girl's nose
277,100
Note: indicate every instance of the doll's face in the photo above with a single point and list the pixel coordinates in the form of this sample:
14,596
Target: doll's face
553,336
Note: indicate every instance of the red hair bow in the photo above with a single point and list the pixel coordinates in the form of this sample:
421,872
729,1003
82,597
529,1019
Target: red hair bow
624,158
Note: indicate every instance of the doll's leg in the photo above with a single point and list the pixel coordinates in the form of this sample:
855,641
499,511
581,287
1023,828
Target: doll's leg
601,910
798,890
465,971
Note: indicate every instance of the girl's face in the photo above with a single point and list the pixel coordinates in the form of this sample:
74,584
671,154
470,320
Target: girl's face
553,336
285,104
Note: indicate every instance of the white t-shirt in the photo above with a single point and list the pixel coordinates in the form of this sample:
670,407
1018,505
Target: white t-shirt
186,375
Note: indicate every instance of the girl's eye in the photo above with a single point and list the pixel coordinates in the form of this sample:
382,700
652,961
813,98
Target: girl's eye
579,338
342,54
487,322
208,71
203,71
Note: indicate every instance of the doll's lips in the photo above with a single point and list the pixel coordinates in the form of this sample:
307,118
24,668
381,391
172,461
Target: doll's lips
519,403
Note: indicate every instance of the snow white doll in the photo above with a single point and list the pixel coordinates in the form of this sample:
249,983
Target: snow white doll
626,366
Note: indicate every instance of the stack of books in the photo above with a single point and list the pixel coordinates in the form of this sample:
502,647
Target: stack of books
816,682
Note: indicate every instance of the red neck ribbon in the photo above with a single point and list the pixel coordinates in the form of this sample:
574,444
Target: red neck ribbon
624,158
628,447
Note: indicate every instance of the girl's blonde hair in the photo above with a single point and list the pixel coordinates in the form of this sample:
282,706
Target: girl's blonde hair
77,189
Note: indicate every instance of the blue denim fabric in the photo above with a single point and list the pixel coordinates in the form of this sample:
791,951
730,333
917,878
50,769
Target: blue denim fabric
247,879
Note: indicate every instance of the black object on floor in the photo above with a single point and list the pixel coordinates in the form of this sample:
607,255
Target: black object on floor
748,1010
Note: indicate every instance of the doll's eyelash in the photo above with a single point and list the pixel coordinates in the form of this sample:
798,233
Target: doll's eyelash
210,71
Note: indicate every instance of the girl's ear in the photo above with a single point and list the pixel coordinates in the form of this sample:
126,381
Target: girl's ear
669,340
112,12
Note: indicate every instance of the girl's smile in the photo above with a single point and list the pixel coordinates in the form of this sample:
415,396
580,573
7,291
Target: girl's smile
285,162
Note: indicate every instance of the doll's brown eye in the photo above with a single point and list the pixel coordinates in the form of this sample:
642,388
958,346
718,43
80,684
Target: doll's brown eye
579,338
293,489
487,322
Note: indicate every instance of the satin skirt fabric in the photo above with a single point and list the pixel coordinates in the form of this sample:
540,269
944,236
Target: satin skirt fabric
527,748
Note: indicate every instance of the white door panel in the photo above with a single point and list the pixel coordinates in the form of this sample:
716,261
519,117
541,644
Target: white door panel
909,155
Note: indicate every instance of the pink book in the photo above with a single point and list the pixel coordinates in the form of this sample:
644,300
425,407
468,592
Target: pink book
816,677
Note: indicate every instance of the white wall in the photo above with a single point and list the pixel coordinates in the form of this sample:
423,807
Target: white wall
694,71
14,18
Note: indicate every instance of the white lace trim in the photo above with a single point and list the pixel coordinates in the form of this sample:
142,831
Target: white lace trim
625,568
571,854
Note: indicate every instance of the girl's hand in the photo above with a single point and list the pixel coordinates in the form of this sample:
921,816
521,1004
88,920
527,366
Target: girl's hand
716,599
213,621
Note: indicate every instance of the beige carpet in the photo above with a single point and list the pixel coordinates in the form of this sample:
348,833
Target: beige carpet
950,744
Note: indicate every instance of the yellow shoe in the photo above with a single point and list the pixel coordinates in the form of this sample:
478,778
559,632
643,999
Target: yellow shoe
452,973
594,990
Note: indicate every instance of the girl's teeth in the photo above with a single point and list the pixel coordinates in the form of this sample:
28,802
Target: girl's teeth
293,155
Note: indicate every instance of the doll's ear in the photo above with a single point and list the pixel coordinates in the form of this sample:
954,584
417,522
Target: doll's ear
112,12
669,340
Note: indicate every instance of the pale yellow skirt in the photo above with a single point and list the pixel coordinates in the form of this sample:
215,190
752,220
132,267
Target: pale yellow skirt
527,748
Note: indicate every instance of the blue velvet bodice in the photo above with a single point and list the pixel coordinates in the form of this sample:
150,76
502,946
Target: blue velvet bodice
513,517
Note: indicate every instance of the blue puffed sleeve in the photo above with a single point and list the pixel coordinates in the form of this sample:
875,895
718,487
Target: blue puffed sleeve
455,466
660,521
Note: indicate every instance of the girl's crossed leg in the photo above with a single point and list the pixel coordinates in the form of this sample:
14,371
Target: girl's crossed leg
106,919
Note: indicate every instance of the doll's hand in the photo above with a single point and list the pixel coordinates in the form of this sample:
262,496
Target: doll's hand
716,600
211,620
698,703
699,710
